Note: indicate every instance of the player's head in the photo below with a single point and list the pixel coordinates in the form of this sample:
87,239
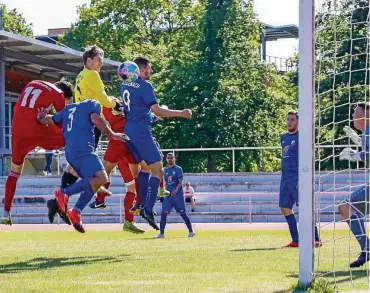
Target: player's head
187,184
292,121
93,58
144,66
67,89
171,159
128,71
361,115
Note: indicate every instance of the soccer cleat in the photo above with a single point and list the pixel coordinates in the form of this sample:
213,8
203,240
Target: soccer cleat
96,205
103,192
362,259
53,210
62,200
149,218
318,243
135,209
291,245
76,220
163,192
7,219
159,236
130,227
191,234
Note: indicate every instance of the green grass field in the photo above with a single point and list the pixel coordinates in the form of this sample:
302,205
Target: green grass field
114,261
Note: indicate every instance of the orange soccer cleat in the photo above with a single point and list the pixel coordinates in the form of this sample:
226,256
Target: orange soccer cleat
76,220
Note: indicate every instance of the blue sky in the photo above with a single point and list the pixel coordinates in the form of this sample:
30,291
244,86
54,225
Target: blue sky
44,14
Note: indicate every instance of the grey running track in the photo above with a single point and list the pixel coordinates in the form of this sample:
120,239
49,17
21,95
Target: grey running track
177,226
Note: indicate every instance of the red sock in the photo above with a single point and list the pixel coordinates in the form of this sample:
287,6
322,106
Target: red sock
161,183
137,197
127,204
100,195
10,187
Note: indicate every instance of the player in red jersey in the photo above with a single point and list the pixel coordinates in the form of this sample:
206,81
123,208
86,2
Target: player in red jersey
28,133
118,154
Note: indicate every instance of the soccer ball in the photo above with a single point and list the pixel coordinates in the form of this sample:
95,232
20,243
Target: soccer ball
128,71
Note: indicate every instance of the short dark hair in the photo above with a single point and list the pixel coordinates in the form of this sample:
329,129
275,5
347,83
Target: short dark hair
66,88
293,112
170,154
92,52
364,106
141,61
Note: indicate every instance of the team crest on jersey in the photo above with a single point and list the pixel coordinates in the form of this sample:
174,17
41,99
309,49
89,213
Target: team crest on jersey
293,142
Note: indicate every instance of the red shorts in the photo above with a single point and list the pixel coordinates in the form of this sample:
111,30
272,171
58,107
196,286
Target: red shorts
50,138
123,167
117,151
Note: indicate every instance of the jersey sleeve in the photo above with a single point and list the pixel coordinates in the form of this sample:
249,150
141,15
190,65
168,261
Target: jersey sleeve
180,174
94,107
58,117
149,97
96,85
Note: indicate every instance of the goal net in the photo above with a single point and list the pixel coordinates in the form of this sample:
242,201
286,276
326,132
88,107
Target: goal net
341,80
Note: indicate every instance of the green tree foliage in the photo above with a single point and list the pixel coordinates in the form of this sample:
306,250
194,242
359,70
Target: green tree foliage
341,72
206,57
14,22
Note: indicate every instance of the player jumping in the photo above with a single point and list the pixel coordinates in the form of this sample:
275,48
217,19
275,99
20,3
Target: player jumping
28,134
139,100
288,196
354,208
78,122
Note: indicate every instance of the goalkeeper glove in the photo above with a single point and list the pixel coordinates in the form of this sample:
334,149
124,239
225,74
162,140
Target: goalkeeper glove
349,155
356,139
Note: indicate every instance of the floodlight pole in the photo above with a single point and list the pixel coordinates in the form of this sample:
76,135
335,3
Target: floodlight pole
306,140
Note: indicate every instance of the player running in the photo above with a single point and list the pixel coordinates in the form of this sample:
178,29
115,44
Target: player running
28,134
139,100
78,122
354,208
288,196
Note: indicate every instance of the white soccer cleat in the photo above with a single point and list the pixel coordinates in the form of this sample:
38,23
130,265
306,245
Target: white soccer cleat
6,219
191,234
159,236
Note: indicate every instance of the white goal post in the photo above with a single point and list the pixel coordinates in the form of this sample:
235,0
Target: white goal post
306,140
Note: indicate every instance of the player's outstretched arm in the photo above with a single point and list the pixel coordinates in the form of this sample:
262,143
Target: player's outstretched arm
103,126
163,112
43,117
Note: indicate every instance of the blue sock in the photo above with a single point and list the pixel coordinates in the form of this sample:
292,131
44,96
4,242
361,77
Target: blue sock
163,222
186,219
292,223
357,227
152,194
84,199
317,237
77,187
143,187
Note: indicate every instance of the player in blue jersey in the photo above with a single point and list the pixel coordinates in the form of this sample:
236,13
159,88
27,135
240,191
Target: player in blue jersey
78,122
139,101
288,196
355,208
173,177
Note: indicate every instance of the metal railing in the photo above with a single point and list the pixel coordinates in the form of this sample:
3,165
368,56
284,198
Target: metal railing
281,64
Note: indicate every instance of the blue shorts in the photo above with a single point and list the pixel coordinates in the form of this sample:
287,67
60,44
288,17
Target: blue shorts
288,193
177,202
144,148
359,200
86,165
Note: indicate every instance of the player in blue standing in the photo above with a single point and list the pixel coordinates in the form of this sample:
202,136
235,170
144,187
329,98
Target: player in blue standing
78,120
288,196
354,208
139,101
173,177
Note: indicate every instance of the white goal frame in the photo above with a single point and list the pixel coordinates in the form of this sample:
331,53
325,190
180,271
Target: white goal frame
306,140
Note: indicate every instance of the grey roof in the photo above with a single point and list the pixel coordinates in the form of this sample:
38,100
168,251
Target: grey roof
42,58
274,33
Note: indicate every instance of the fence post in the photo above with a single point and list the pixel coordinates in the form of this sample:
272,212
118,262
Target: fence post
233,151
250,208
58,163
120,208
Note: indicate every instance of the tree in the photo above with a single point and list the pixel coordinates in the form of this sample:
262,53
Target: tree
14,22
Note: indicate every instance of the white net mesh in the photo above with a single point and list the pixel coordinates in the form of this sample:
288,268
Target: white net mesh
342,80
